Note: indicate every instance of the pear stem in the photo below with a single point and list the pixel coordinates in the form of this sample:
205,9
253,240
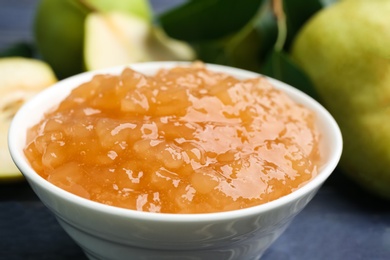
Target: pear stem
277,6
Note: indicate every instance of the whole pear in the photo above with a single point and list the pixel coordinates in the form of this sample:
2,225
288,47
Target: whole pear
59,34
345,50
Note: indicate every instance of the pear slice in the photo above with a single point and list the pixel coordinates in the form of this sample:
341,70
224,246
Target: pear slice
20,79
140,8
115,38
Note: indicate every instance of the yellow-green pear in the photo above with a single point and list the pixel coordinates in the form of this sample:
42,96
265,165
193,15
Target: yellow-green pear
345,50
118,38
20,79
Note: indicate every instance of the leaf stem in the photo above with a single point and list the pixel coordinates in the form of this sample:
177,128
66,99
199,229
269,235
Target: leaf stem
277,6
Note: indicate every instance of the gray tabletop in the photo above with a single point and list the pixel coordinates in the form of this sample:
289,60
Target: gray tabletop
342,221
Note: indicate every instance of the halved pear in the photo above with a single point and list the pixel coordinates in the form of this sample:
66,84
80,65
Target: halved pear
61,23
116,38
20,79
140,8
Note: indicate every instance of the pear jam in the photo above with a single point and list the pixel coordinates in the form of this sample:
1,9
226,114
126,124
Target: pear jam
186,140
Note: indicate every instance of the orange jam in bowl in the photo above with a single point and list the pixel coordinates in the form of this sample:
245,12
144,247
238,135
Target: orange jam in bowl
185,140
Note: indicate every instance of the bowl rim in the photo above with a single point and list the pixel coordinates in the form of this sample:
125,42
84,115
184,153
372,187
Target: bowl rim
31,176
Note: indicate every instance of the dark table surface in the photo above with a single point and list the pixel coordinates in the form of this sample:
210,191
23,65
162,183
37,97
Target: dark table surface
341,222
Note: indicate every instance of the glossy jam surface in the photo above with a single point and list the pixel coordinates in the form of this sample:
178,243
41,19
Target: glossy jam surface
187,140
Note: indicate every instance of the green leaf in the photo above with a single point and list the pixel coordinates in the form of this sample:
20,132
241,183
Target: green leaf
211,51
201,20
248,48
21,49
297,13
279,66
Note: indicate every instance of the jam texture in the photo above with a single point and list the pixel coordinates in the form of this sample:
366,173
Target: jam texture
186,140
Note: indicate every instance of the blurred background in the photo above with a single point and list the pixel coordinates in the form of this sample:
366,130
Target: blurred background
344,221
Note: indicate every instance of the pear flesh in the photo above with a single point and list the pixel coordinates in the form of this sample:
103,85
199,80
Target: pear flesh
20,79
344,49
113,39
117,38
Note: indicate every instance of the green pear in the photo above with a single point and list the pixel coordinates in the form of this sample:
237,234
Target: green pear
59,29
59,33
344,49
118,38
20,79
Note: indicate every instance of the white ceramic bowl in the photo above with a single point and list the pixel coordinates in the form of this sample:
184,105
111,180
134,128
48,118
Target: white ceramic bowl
106,232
